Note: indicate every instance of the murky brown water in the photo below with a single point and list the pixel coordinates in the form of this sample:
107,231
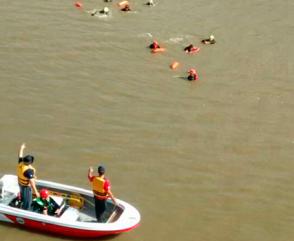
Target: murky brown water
204,161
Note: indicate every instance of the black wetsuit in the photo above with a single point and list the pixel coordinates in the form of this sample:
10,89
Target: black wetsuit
192,77
152,46
189,48
126,8
208,41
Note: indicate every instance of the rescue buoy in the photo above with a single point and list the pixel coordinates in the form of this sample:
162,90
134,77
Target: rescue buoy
78,4
194,50
122,3
158,50
192,71
174,65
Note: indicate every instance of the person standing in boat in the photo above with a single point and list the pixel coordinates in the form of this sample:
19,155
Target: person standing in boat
26,174
101,190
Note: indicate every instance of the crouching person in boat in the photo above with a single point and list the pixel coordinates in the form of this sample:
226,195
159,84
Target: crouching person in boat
26,175
101,190
46,204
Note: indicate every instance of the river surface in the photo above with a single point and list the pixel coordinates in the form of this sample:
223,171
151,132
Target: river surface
207,160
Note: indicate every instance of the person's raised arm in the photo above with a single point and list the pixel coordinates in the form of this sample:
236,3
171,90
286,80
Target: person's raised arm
21,150
90,173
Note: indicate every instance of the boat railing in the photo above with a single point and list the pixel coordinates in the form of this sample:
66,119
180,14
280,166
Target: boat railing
117,211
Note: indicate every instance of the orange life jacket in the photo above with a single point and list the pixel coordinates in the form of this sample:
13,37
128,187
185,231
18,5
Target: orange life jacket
98,188
21,168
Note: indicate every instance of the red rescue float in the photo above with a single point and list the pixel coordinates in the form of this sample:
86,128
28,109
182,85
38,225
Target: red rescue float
194,50
174,65
158,50
191,49
122,3
78,4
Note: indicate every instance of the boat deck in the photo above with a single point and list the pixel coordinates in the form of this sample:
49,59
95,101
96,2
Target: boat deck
77,207
71,213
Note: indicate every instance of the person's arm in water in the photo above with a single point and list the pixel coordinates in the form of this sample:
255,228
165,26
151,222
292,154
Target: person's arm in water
21,151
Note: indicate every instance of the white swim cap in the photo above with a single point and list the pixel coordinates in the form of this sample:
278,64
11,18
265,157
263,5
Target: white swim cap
106,9
211,37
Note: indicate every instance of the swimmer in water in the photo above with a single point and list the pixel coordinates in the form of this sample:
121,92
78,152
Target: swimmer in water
104,11
210,40
126,8
154,45
192,75
93,12
150,3
190,48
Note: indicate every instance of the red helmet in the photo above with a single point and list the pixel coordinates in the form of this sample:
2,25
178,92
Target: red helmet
44,193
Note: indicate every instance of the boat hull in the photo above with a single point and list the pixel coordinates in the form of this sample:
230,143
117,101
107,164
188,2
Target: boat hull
61,230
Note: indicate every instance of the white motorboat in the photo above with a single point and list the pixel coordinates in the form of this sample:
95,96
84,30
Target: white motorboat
77,216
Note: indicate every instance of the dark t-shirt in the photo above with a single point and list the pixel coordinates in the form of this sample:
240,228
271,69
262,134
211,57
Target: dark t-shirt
40,204
188,48
28,173
152,46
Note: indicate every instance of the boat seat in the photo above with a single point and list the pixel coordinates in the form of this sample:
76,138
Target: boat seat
9,190
60,202
70,214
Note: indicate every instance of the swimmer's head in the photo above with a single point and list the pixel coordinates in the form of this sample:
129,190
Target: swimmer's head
106,10
211,37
